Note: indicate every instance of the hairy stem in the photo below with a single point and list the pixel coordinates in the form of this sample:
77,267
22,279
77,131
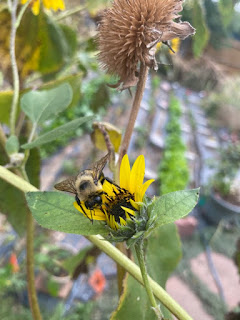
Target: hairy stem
124,147
142,264
13,114
134,112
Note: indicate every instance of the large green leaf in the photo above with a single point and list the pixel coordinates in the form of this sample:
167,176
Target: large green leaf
41,44
57,133
12,145
39,106
6,96
74,81
163,253
133,303
200,39
55,211
171,207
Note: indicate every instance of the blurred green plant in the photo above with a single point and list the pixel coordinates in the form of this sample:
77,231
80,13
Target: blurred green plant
51,258
173,170
226,169
222,104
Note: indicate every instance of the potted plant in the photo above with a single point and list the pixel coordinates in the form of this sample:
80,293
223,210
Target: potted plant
224,198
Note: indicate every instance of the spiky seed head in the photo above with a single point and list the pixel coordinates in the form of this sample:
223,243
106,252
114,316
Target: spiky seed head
129,31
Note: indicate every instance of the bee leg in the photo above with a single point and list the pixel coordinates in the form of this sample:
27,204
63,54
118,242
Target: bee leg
78,201
91,216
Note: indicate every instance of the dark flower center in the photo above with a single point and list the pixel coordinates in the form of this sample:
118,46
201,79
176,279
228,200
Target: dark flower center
115,204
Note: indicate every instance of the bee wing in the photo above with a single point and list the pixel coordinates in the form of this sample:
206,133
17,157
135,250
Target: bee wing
98,166
67,185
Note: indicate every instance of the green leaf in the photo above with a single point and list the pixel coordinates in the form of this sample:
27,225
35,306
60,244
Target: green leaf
6,96
33,167
57,133
74,81
163,252
171,207
12,145
55,211
200,39
133,303
12,200
42,105
5,105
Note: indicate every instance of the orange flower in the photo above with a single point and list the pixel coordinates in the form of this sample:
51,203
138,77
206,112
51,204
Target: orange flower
97,281
14,262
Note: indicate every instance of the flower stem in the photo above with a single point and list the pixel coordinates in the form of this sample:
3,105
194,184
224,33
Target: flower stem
13,114
134,111
142,264
30,268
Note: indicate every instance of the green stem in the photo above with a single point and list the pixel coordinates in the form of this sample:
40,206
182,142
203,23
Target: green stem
32,295
16,181
16,84
113,252
69,13
142,264
27,151
21,13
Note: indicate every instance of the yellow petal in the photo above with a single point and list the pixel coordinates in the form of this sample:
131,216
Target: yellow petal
36,7
97,214
132,212
125,173
137,174
122,221
134,205
127,216
144,188
108,188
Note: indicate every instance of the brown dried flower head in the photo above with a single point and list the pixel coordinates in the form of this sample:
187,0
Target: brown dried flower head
129,32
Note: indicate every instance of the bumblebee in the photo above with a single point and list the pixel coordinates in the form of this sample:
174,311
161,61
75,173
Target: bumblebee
87,185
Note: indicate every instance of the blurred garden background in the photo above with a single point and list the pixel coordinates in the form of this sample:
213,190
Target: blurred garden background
188,129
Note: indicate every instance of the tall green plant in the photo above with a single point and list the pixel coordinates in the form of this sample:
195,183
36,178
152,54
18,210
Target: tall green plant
173,169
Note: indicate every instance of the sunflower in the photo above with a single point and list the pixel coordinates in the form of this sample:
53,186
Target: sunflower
48,4
120,204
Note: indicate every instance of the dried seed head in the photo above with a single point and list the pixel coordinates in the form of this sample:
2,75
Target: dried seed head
129,32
